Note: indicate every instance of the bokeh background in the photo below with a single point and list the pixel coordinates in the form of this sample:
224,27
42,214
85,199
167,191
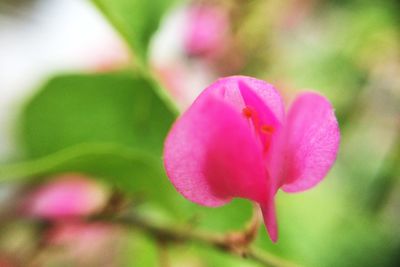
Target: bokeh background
89,89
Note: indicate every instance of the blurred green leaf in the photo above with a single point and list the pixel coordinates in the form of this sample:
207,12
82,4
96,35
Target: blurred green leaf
134,172
136,20
369,242
233,215
114,108
139,251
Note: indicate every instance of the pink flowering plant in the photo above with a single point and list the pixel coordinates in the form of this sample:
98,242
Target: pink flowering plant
109,170
236,141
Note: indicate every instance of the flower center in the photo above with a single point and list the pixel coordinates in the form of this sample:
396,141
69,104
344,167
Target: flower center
267,129
262,130
247,112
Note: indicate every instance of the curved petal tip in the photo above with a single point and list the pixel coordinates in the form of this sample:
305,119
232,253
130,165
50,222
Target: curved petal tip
270,221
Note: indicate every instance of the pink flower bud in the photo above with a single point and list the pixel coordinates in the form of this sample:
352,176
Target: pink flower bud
67,195
207,30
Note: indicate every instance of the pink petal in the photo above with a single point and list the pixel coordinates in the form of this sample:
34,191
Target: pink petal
312,141
265,117
230,88
261,116
251,98
211,154
269,215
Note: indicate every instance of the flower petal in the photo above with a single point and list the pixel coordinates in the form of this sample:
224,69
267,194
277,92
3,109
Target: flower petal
262,118
211,154
312,141
269,215
231,88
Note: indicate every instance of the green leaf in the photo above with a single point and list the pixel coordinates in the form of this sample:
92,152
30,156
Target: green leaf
134,172
114,108
136,20
232,216
139,250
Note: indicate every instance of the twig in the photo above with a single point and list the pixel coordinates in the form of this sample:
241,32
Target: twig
163,253
235,243
232,243
267,258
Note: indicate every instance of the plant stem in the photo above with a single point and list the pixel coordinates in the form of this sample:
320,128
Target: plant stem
267,258
222,242
163,253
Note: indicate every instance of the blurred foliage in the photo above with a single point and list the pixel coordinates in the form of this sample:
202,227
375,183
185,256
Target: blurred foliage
136,20
115,108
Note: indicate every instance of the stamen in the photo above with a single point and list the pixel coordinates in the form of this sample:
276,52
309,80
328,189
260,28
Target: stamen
267,129
247,112
266,146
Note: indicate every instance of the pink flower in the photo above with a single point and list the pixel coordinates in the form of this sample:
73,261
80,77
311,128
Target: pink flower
207,30
67,195
236,141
